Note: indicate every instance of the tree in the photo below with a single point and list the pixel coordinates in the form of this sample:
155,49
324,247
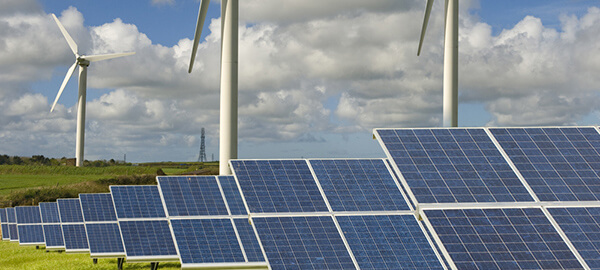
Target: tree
4,159
17,160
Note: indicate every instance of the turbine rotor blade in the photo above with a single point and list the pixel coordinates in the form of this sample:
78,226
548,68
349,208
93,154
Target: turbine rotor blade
65,81
68,37
100,57
199,25
425,22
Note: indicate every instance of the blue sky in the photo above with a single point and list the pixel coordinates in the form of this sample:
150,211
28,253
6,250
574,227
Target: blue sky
315,77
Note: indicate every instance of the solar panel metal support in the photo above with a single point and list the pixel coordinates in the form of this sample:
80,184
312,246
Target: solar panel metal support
95,261
120,262
154,266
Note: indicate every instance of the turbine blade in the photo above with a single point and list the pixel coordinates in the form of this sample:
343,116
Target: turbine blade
425,22
100,57
62,87
69,39
199,25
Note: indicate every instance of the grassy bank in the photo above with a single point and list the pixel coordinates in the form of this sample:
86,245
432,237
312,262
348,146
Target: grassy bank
21,257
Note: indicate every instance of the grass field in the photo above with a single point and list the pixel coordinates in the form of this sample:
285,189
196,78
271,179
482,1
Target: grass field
24,257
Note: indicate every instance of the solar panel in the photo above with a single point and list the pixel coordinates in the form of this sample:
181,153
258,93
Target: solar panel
28,215
359,185
70,210
582,227
4,224
53,236
97,207
10,215
148,240
105,240
31,234
49,212
452,165
249,240
75,238
501,239
278,186
137,202
13,232
206,241
303,243
3,218
102,228
560,164
192,196
388,242
232,195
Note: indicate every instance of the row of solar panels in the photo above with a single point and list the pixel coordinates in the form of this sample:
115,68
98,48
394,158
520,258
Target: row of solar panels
447,198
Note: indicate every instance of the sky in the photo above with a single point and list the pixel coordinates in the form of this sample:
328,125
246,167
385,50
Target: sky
315,77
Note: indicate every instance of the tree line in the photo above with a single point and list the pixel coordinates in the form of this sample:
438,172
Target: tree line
41,160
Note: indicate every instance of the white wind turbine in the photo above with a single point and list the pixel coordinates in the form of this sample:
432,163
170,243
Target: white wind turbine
229,78
83,61
450,107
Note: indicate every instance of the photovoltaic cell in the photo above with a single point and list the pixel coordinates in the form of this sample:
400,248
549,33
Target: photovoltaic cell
582,227
147,238
453,165
206,241
388,242
28,215
233,196
53,236
3,218
70,211
75,237
359,185
31,234
278,186
49,212
560,164
501,239
97,207
249,240
303,243
192,196
104,238
5,232
14,233
10,214
137,202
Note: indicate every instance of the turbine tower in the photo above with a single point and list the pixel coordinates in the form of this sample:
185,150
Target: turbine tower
83,62
229,78
450,107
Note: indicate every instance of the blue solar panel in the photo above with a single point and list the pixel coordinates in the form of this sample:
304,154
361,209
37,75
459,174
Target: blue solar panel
206,241
582,227
10,214
359,185
388,242
31,234
104,238
303,243
192,196
70,210
278,186
97,207
53,236
13,232
3,218
49,212
75,236
28,214
501,239
233,196
249,240
453,165
560,164
5,232
137,202
147,238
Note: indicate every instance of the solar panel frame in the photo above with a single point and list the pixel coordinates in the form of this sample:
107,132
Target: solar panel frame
457,165
233,196
31,235
4,225
73,228
12,224
53,234
97,207
192,196
70,210
359,185
559,163
137,202
101,225
49,212
28,215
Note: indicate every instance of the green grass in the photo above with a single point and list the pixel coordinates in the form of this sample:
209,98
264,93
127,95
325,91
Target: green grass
26,257
173,171
14,182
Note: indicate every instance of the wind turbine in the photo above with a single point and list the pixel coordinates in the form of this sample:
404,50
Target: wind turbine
450,107
83,61
229,78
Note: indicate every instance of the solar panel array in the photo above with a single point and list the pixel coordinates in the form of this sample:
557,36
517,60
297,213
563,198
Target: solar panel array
458,198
